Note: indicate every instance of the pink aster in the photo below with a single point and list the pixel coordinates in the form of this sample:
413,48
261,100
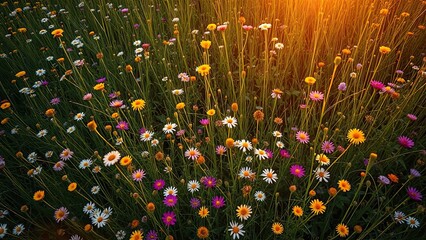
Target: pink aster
158,184
302,137
412,117
170,200
122,125
285,153
316,96
138,175
327,147
218,201
405,141
297,170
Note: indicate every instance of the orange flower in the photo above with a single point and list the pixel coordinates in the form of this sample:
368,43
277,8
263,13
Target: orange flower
20,74
205,44
5,105
39,195
393,177
92,125
211,112
99,87
384,50
180,106
72,186
50,112
150,207
57,33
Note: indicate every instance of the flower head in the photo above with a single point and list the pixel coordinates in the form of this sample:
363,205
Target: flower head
405,142
244,212
111,158
61,214
269,176
169,218
236,230
342,230
356,136
297,170
138,104
277,228
218,201
317,207
302,137
344,185
316,96
414,194
203,70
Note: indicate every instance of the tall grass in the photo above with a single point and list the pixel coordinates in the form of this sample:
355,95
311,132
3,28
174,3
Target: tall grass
211,99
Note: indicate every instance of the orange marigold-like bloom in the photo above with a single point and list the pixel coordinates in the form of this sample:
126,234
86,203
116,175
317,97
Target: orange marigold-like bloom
57,33
39,195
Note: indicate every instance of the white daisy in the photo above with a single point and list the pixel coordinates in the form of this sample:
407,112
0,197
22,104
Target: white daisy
89,208
244,145
3,230
137,43
399,217
120,235
259,196
230,122
169,128
269,176
66,154
111,158
42,133
71,129
79,116
146,136
261,154
40,72
177,92
412,222
280,144
322,175
154,142
170,191
85,163
236,230
99,219
32,157
193,186
277,134
95,189
245,172
18,229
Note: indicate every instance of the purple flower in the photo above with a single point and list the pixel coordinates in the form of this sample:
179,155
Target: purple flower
101,80
44,83
414,173
170,200
124,10
297,170
218,201
414,194
269,153
195,203
327,147
136,26
152,235
342,87
180,133
142,131
366,161
399,72
377,85
122,125
405,141
205,121
169,218
383,180
55,101
158,184
285,153
359,66
113,95
209,181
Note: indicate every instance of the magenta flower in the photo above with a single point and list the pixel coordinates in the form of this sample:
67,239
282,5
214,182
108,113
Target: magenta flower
297,170
101,80
414,194
122,125
170,200
209,182
285,153
269,153
412,117
327,147
405,141
342,86
377,85
169,218
302,137
218,201
158,184
204,121
152,235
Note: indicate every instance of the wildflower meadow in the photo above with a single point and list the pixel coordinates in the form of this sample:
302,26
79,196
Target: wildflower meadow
226,119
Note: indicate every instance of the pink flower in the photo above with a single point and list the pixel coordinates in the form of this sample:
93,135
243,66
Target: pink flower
297,170
87,97
302,137
412,117
405,141
377,85
316,96
222,28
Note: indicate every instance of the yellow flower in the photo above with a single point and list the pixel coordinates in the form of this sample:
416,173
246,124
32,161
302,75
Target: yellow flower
57,33
211,112
180,106
405,14
356,136
124,161
211,27
346,51
384,50
20,74
317,207
344,185
136,235
310,80
204,69
206,44
277,228
72,186
203,212
92,125
22,30
244,212
138,104
99,87
39,195
342,230
297,211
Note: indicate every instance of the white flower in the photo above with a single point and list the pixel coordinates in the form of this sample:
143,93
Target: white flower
244,145
137,43
177,92
322,175
261,154
111,158
279,46
42,133
277,134
3,230
40,72
89,208
269,176
79,116
99,219
230,122
259,196
85,163
146,136
192,153
169,128
412,222
265,26
95,189
236,230
18,229
170,191
245,172
71,129
175,20
193,186
280,144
